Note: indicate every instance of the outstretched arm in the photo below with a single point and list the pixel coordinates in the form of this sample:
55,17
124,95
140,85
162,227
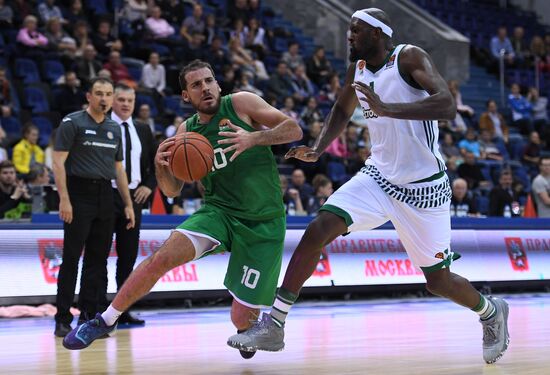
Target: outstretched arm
258,113
418,68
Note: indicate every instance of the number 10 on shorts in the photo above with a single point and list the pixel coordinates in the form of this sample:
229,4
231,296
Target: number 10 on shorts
250,277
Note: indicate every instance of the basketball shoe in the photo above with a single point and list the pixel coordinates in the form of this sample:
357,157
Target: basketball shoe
263,335
495,332
82,336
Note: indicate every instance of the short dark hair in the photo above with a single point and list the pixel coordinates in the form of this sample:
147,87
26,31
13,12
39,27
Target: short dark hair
543,158
6,164
95,80
28,127
489,102
192,66
36,170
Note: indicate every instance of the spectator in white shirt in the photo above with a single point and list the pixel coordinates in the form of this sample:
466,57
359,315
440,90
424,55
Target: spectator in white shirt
153,75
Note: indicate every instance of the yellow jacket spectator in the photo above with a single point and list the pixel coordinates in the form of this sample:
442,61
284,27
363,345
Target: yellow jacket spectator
27,151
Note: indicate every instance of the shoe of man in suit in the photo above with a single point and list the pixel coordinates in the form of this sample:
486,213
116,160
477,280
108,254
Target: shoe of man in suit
127,318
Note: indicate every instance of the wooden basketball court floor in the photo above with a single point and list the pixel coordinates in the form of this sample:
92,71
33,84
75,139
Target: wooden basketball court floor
421,336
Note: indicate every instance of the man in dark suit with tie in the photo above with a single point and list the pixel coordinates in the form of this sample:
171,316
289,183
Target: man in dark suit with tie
139,152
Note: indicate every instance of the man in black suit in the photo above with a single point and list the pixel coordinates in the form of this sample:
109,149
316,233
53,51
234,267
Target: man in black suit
88,67
139,164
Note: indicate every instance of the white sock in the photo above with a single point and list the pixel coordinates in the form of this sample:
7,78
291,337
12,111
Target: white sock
111,315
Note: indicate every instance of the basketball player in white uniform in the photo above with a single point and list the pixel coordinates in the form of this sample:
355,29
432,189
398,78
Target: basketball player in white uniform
402,96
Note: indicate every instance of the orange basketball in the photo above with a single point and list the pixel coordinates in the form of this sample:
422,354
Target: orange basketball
192,157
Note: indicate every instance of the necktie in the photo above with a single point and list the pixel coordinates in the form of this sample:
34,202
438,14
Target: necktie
128,152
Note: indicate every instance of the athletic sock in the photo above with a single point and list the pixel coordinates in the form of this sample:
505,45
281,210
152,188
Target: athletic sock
281,306
485,308
111,315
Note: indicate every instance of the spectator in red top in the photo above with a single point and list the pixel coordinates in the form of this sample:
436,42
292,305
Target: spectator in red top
119,71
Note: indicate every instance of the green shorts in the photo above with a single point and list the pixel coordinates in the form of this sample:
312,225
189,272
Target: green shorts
256,252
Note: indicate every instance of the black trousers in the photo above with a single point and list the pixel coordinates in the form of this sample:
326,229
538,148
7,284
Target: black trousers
91,228
127,242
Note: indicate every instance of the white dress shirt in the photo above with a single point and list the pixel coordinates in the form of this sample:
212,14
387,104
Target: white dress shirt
135,153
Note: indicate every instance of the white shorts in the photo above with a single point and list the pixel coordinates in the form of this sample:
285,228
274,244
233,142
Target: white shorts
425,232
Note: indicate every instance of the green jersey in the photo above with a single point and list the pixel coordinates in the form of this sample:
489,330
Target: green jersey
248,187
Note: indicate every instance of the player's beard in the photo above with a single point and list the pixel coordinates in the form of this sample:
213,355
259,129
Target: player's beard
209,110
365,53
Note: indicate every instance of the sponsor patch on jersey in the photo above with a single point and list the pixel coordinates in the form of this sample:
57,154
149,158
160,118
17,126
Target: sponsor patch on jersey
110,135
361,64
390,62
224,125
88,131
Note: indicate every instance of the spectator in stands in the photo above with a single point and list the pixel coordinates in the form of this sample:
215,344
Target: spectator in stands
471,172
3,151
48,151
237,9
238,31
539,53
153,75
487,148
32,43
462,203
119,71
464,113
291,199
229,82
158,26
541,188
298,182
75,15
135,10
452,166
171,129
88,67
494,122
245,85
501,44
470,144
332,90
503,200
531,153
103,42
189,199
318,67
81,37
448,148
280,84
72,95
173,11
211,28
338,149
322,187
292,56
14,196
49,10
254,36
6,94
27,151
6,15
193,23
21,9
303,87
244,61
254,9
144,117
217,56
522,116
59,41
288,109
521,49
311,112
540,112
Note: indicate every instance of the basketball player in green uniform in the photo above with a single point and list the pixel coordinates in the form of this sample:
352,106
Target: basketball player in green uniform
243,211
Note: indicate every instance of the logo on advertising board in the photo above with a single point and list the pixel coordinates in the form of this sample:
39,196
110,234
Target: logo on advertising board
50,252
517,254
323,267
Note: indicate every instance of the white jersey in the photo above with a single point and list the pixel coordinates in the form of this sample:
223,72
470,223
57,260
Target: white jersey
403,151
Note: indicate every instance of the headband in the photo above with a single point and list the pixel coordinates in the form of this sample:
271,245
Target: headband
365,17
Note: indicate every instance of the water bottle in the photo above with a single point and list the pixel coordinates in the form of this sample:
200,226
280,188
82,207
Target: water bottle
291,208
507,211
37,194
